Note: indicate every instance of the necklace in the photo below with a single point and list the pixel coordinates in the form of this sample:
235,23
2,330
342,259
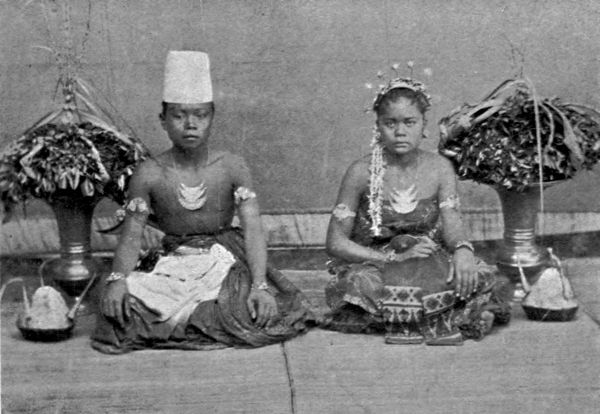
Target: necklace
405,201
190,198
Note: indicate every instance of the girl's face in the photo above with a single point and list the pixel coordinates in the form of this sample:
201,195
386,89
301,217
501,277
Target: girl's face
401,126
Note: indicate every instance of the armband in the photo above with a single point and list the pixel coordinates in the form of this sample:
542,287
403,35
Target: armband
137,205
120,214
242,194
451,202
342,211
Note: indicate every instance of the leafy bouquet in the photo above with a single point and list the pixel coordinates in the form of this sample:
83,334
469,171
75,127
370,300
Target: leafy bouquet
514,138
70,152
75,151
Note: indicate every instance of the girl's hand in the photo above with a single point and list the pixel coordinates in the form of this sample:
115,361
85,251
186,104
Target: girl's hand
463,269
423,248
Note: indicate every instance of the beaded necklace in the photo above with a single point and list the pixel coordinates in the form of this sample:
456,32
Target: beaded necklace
191,198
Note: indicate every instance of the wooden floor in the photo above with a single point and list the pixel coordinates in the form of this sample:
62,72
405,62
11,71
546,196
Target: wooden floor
529,367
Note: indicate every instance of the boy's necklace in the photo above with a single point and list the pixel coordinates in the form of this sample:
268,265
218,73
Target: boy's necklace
190,198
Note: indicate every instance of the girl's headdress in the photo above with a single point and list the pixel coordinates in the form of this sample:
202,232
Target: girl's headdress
402,83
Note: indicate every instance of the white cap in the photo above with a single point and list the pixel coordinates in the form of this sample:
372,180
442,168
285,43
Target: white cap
187,78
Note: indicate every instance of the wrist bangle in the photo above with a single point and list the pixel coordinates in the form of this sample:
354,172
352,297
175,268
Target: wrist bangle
261,286
464,244
114,276
392,256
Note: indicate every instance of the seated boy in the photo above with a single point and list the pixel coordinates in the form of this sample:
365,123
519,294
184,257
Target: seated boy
209,286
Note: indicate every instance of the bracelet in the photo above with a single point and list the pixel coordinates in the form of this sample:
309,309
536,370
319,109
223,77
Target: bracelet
261,286
466,244
114,276
392,256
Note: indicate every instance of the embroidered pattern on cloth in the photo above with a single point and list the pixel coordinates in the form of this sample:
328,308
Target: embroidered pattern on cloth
342,211
438,302
242,194
402,312
451,202
404,304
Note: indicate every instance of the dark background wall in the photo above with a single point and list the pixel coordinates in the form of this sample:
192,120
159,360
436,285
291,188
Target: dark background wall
289,76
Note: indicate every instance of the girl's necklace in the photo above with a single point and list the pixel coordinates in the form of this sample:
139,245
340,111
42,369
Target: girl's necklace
190,198
405,201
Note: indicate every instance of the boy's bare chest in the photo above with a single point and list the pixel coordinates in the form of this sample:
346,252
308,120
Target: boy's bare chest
212,188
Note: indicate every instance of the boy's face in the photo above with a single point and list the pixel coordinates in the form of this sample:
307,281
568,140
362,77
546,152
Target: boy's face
188,125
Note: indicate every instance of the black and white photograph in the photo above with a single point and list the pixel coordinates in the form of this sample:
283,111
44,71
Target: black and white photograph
299,206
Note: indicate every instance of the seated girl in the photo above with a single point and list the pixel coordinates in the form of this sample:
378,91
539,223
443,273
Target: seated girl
209,286
401,261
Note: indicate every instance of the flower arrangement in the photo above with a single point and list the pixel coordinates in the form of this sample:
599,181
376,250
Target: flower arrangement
74,151
71,152
514,138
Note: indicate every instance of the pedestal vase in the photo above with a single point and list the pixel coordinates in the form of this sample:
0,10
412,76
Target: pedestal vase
519,247
75,267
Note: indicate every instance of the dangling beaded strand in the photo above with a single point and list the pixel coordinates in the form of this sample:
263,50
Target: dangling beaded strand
377,171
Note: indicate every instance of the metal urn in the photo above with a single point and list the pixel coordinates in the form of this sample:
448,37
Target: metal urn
519,247
75,267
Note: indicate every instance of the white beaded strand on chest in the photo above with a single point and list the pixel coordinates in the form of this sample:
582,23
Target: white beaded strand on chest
190,197
405,201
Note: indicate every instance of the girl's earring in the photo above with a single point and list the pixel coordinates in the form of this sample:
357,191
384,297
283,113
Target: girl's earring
376,135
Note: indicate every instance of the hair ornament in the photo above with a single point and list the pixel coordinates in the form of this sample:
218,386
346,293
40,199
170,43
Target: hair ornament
399,81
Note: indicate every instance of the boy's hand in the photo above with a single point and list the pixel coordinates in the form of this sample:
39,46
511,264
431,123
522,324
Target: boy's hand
262,306
114,304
